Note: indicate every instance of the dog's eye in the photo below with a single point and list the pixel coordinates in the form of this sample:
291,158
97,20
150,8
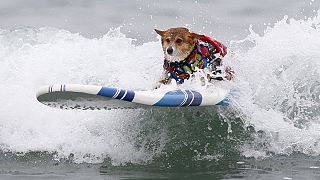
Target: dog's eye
178,41
168,40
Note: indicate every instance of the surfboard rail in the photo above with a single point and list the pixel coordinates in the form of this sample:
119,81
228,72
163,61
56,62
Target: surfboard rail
162,98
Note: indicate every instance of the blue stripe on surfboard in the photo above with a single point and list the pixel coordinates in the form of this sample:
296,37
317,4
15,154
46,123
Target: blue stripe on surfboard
129,96
110,92
107,92
197,99
232,94
171,99
189,98
224,102
120,94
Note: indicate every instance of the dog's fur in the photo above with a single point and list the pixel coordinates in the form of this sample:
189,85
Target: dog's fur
177,45
180,39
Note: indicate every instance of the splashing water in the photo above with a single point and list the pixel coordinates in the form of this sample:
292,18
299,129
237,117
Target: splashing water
276,76
280,88
32,58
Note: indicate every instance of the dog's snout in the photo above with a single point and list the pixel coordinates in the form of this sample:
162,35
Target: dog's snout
170,50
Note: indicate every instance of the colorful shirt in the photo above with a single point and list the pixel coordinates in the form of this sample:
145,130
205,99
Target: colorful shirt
206,54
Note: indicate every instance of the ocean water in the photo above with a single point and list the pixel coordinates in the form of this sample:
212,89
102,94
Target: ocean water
270,131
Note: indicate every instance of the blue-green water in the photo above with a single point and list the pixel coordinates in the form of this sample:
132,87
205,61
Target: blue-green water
270,130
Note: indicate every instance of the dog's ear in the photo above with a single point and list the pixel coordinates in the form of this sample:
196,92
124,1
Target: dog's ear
194,36
161,33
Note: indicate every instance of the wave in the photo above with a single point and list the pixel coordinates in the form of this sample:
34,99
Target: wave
278,76
31,58
276,111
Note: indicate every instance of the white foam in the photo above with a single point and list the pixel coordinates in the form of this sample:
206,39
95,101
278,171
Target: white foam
279,82
31,58
277,79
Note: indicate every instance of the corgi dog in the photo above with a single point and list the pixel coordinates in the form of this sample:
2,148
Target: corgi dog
186,52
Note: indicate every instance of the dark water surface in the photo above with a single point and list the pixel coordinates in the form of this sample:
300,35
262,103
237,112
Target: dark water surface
226,19
296,166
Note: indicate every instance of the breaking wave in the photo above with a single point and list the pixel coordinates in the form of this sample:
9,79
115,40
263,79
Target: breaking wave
276,111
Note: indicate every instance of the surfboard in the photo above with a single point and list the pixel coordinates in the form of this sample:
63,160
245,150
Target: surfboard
90,97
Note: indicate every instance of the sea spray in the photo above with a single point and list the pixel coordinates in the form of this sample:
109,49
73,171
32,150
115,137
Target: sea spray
276,81
31,58
278,78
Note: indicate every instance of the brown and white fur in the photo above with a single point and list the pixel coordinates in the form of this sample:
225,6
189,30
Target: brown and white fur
177,44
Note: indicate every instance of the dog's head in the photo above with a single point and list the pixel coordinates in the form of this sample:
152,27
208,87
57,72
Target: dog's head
177,43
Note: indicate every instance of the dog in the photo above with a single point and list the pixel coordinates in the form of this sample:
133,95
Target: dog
186,52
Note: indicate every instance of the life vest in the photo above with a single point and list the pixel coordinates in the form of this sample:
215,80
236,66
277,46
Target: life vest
207,53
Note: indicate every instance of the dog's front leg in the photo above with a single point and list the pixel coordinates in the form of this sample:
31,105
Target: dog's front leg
165,79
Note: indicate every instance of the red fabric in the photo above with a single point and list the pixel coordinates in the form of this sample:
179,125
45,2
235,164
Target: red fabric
220,48
204,51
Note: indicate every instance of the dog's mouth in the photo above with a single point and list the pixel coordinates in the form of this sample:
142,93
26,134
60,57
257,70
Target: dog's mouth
172,58
177,55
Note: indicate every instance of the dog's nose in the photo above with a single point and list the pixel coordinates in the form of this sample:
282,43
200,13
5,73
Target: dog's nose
170,50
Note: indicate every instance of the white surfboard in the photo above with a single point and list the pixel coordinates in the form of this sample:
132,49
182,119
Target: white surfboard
89,97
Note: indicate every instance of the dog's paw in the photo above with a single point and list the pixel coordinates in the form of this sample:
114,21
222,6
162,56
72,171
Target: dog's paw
165,81
161,82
